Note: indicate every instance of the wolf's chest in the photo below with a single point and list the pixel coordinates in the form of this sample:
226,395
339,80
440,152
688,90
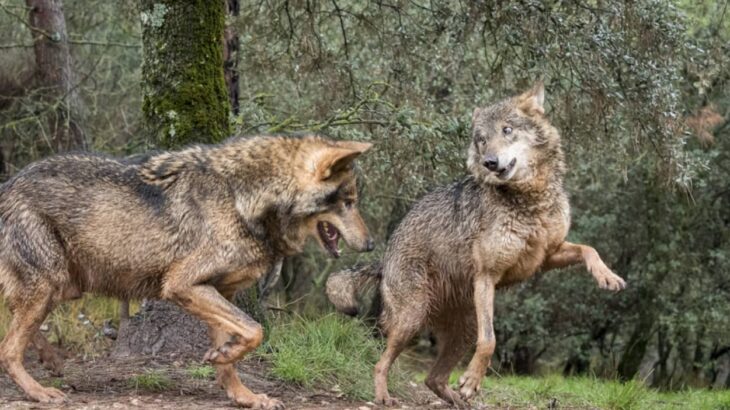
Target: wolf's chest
527,247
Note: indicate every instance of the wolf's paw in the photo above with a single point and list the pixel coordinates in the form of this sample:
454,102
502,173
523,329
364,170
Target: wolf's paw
452,397
227,353
259,402
387,401
445,393
469,384
606,278
47,395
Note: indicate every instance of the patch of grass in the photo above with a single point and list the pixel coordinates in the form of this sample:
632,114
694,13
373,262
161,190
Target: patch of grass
203,372
329,352
589,392
56,382
150,380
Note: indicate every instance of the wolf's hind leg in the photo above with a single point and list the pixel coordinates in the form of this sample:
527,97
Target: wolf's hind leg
49,357
470,382
404,318
453,336
28,314
397,341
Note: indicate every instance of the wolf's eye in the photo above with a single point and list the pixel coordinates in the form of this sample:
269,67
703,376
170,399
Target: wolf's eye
507,130
349,204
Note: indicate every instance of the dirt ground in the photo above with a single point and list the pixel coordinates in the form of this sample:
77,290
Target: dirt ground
103,384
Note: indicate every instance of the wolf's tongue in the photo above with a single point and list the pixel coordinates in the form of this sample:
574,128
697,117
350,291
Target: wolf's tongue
331,231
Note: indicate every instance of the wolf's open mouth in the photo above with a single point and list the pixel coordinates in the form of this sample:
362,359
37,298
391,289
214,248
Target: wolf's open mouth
330,237
506,172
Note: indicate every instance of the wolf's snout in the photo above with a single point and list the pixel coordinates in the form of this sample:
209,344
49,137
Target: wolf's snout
491,162
369,245
502,169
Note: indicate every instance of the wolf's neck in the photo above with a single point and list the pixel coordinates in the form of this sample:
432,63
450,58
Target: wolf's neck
264,190
539,194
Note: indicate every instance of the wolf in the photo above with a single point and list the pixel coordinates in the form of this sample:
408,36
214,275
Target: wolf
192,227
502,223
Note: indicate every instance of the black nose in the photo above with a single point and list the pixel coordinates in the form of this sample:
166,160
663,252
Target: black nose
491,162
370,245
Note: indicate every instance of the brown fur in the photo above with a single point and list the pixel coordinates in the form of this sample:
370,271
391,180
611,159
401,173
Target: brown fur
505,221
191,226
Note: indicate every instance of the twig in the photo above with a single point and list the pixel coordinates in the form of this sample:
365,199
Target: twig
3,46
103,43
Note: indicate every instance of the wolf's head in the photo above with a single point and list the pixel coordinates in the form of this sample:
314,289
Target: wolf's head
328,199
512,141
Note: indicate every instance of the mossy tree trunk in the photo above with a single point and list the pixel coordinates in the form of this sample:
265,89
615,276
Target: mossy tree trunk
185,97
185,102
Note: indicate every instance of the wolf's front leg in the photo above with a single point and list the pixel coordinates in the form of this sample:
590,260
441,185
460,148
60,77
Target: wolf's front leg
234,334
569,254
470,382
227,377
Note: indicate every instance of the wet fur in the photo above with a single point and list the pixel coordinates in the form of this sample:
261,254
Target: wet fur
192,226
460,242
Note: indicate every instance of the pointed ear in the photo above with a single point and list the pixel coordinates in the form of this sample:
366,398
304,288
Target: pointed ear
532,101
333,160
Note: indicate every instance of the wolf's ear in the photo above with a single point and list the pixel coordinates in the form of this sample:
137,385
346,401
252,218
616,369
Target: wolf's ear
533,101
332,160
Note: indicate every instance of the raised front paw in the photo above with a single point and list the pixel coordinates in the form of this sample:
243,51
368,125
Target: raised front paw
469,384
225,354
606,278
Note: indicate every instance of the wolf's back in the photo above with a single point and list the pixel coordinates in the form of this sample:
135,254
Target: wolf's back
344,286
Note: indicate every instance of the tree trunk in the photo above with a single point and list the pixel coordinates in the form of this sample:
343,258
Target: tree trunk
54,73
637,346
231,46
185,101
185,97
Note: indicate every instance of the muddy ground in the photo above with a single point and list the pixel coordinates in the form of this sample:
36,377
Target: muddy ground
105,384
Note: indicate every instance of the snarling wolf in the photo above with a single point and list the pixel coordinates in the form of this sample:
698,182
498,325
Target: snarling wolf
505,221
191,226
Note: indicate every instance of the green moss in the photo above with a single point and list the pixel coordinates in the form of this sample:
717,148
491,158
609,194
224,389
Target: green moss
183,72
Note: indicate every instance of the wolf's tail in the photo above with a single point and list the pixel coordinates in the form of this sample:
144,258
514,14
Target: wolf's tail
343,287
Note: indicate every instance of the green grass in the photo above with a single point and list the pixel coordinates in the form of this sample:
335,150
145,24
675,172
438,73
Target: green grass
590,393
330,352
56,382
150,380
203,372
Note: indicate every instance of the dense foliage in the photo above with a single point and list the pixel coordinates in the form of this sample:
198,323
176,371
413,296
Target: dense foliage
639,91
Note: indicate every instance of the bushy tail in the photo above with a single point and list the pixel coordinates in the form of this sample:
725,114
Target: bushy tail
343,287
